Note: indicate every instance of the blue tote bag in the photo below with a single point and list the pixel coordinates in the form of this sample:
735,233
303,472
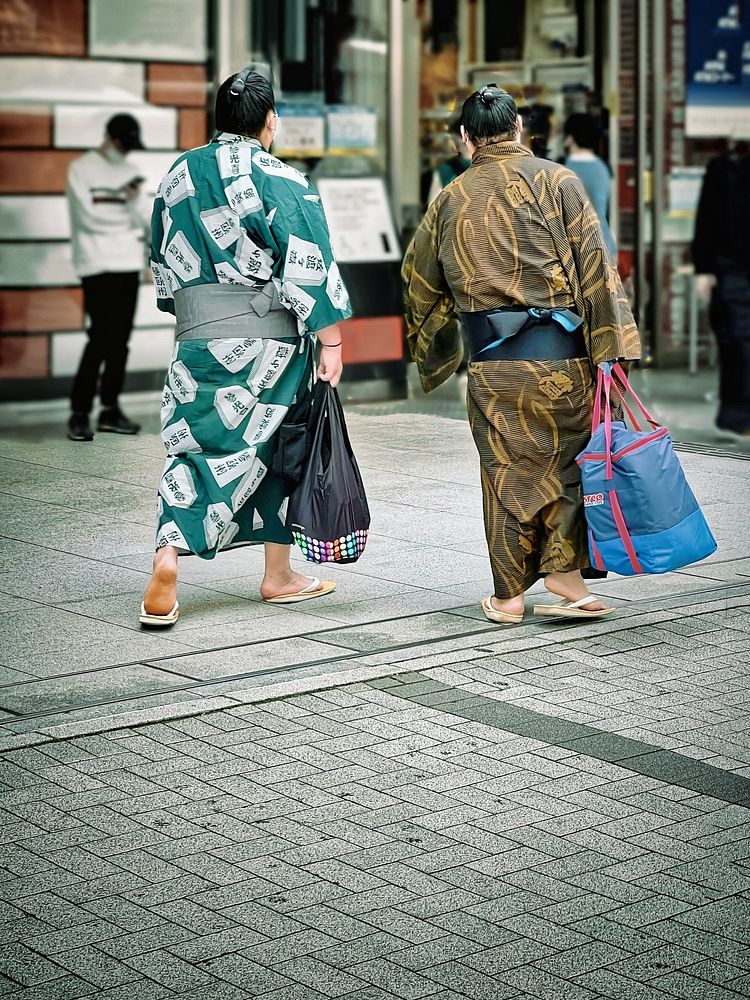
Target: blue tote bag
641,514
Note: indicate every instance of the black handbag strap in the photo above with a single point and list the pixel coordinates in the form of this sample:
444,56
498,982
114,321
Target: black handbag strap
326,399
337,412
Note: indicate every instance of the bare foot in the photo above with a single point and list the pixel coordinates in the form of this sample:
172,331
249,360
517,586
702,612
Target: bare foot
288,583
512,606
161,592
572,587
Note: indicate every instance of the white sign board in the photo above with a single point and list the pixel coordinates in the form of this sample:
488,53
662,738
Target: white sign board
301,131
360,219
684,190
351,129
81,126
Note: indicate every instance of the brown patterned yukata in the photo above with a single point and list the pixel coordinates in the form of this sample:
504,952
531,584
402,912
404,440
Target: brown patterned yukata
515,230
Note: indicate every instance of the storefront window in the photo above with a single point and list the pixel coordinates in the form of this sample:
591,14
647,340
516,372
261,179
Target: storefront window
328,62
504,31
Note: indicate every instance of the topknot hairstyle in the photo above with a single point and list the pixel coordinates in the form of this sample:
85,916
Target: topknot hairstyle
489,113
242,103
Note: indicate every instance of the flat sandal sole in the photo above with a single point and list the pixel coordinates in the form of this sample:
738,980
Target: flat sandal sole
500,617
157,621
299,596
555,611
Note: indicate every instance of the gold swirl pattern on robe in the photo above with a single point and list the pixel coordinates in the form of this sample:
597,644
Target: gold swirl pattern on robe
511,230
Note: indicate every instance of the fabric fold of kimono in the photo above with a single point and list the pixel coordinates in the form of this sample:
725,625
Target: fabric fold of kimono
223,403
529,420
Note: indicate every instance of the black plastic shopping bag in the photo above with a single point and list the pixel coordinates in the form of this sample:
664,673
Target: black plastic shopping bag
328,513
292,443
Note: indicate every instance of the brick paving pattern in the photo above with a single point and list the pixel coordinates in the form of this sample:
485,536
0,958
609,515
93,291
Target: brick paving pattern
378,797
372,841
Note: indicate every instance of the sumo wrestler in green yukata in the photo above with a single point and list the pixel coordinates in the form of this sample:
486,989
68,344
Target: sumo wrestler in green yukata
241,254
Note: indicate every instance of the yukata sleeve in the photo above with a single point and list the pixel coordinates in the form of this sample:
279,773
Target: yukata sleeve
611,331
310,283
432,332
161,274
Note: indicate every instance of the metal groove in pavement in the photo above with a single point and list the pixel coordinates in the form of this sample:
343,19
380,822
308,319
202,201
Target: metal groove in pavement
557,628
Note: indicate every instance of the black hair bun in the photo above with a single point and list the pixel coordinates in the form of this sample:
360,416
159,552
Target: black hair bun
239,85
489,93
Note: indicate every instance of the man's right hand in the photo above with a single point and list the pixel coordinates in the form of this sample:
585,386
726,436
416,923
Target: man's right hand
330,366
132,190
704,286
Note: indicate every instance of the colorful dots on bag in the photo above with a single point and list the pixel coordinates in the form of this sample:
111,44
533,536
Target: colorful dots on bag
346,549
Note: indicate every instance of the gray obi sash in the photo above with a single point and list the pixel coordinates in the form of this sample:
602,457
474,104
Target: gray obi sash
207,312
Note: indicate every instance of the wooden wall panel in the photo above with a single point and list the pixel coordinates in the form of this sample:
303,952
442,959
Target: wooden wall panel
183,86
43,172
27,126
41,311
24,357
43,28
193,128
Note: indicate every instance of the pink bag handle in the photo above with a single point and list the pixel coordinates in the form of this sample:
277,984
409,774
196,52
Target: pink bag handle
621,397
607,380
619,371
596,418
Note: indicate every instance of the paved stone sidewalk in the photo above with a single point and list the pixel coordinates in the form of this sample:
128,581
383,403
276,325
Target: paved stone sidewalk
77,525
452,829
381,797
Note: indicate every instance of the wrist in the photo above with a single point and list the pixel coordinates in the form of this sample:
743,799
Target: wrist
329,346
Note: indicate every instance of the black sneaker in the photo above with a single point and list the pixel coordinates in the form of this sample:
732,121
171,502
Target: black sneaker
79,428
114,420
728,434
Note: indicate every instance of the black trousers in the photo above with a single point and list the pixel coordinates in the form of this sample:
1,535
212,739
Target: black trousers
109,300
730,319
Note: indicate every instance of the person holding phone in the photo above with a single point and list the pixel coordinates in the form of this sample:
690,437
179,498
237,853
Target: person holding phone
108,224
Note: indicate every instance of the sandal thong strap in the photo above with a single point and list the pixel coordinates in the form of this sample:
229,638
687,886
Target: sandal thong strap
582,603
312,586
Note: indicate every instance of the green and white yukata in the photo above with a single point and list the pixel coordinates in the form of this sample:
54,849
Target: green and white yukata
231,214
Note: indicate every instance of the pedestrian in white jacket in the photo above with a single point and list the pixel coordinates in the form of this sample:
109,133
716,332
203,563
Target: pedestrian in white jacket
108,223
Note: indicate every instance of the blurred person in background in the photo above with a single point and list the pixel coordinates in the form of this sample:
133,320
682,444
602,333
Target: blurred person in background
451,168
241,256
537,128
515,248
580,139
108,223
721,256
